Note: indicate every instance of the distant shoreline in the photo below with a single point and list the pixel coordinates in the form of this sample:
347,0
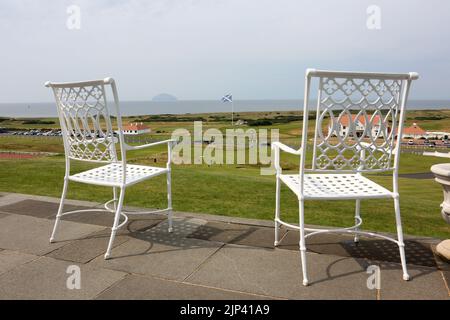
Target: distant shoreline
183,107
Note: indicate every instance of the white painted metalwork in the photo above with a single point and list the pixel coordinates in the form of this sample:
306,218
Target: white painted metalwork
88,135
357,118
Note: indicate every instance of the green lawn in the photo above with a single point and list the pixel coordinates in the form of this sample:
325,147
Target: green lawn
241,191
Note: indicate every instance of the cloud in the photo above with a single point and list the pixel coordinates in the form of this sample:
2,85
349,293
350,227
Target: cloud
200,48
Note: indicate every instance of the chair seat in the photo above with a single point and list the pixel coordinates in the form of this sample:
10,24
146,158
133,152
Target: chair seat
336,186
111,174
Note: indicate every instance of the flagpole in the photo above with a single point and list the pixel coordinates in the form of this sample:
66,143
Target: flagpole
232,111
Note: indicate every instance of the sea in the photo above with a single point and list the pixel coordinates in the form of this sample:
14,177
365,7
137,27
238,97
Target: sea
134,108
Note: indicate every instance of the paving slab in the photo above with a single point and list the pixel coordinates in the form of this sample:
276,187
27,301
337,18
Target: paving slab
443,267
417,252
135,287
326,243
31,235
46,278
11,259
425,284
87,248
159,253
277,273
35,208
236,234
93,245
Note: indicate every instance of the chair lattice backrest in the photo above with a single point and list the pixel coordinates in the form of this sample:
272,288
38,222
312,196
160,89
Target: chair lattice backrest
357,118
86,121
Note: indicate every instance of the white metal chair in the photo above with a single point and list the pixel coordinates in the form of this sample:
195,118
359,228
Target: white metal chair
88,135
357,118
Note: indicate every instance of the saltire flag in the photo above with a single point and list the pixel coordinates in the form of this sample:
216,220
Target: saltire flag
227,98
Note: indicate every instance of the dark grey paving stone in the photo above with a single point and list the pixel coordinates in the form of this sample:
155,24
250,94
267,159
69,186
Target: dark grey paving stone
158,253
31,235
44,209
106,219
236,234
417,252
425,284
35,208
46,278
11,259
143,288
327,243
277,273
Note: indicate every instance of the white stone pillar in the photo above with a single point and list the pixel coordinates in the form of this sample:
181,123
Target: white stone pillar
442,176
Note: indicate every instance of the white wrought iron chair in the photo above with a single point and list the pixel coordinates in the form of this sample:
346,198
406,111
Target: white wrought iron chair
357,118
88,135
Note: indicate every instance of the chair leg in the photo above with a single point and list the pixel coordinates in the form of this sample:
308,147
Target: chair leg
60,210
115,197
277,214
401,244
357,217
116,223
302,241
169,200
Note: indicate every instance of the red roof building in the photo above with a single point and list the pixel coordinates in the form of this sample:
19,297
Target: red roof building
344,121
357,126
136,128
414,132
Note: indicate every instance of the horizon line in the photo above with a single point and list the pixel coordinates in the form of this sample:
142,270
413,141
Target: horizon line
217,100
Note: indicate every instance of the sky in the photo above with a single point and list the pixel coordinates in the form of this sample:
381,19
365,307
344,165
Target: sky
202,49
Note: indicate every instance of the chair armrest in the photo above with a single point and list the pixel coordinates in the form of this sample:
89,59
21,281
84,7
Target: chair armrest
285,148
276,147
148,145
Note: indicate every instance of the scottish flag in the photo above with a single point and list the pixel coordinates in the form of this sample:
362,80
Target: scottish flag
227,98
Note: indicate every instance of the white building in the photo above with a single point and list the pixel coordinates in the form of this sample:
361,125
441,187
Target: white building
240,122
136,128
358,126
438,135
416,132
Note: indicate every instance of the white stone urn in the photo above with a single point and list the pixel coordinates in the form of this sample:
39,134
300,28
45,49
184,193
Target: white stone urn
442,176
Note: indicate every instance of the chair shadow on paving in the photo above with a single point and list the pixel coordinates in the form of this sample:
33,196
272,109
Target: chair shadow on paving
417,253
368,251
247,235
158,235
382,253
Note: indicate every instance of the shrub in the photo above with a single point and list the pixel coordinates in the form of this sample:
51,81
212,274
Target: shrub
37,121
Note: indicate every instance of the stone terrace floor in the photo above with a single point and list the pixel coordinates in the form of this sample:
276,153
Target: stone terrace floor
206,257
